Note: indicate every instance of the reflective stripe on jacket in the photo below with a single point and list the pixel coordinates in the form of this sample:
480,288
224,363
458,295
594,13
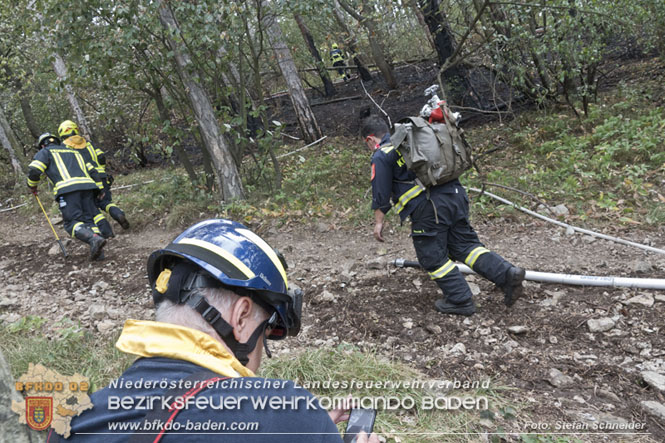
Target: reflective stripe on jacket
65,168
336,56
392,181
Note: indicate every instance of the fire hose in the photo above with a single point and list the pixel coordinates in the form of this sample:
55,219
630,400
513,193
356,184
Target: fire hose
566,279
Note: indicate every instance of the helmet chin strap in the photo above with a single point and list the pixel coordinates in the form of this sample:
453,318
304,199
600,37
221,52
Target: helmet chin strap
214,318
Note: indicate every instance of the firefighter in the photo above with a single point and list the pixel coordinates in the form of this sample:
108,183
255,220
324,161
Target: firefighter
337,58
440,226
220,293
74,187
69,132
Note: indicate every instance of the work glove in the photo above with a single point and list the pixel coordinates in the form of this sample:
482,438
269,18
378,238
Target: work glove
109,179
101,195
33,189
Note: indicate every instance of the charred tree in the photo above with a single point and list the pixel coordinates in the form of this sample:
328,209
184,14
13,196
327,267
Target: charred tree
320,66
444,43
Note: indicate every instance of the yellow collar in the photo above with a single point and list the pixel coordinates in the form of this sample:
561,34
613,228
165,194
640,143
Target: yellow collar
76,142
156,339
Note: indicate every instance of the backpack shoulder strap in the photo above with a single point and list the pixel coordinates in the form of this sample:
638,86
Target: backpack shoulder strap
188,387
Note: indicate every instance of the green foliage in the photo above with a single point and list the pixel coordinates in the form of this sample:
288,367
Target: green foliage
555,50
606,168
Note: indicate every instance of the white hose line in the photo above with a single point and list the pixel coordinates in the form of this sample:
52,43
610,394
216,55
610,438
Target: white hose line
565,225
566,279
13,207
304,147
586,280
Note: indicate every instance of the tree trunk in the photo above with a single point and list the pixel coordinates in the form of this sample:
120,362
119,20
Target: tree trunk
444,43
213,138
308,125
28,115
61,71
11,136
4,140
375,43
351,42
423,23
24,101
323,72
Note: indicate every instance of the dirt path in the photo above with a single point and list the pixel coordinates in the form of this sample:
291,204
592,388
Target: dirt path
355,296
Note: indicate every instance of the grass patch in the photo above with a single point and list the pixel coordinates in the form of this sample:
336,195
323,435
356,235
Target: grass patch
69,350
328,181
328,373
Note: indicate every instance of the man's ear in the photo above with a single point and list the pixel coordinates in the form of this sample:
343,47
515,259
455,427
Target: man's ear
241,312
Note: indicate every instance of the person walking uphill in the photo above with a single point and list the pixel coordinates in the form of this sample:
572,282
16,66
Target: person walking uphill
69,132
74,188
440,226
220,292
337,58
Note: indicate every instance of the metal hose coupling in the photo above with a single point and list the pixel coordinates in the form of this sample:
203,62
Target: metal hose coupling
401,263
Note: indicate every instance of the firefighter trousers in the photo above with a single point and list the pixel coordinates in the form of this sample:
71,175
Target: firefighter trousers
453,238
78,209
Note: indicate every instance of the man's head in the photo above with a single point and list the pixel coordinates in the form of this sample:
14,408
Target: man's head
334,46
241,313
67,129
47,139
218,276
373,130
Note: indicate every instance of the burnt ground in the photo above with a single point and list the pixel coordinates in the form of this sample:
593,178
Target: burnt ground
340,114
354,295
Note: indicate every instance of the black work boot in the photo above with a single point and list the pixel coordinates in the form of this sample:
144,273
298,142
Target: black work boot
513,289
446,307
95,241
119,216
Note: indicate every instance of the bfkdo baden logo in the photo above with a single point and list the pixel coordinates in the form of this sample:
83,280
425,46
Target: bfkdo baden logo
50,399
39,412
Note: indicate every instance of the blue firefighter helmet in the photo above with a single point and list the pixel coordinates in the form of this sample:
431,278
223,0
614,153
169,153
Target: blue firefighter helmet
225,253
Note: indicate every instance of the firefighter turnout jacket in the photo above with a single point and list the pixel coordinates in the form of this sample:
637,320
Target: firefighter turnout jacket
336,55
278,411
92,155
391,179
65,168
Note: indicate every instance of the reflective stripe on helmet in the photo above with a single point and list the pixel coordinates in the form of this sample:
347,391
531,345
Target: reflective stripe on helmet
240,266
270,252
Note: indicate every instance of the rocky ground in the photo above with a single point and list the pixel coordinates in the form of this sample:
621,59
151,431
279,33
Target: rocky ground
563,355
